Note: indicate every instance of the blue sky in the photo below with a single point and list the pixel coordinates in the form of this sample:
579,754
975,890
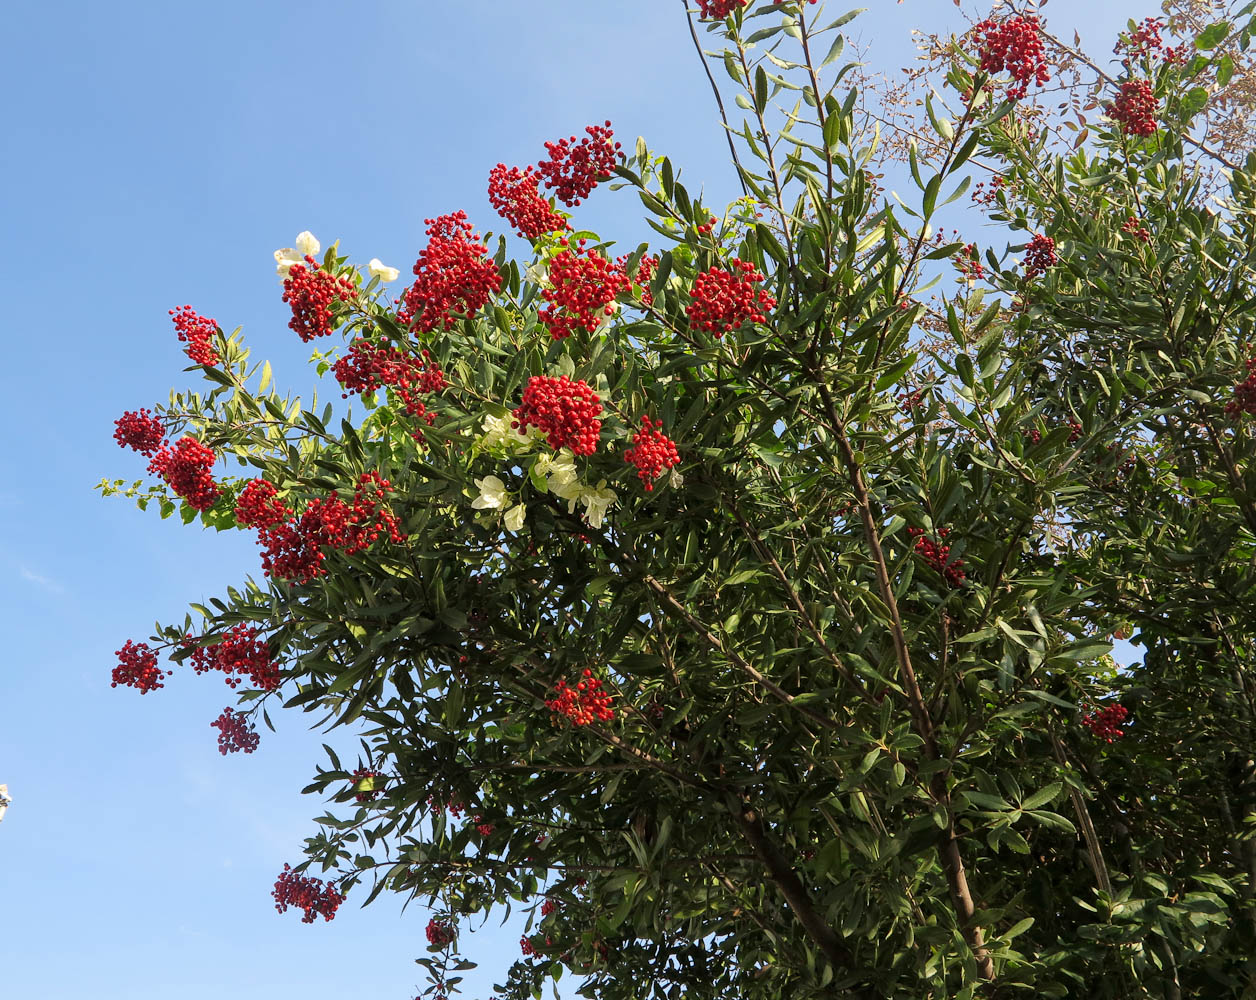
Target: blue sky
157,153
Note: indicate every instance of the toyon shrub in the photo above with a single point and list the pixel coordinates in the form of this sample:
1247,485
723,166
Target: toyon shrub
749,592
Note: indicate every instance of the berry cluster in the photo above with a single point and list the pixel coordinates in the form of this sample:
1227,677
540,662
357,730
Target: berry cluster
1039,255
198,333
137,667
1132,227
235,733
516,196
908,401
988,196
366,794
566,411
1014,45
939,556
368,367
723,300
240,653
1244,400
969,264
187,469
645,274
583,287
1034,435
1106,723
312,293
1145,41
293,550
722,8
259,506
305,893
550,906
440,932
1135,108
583,704
454,276
575,168
651,452
139,430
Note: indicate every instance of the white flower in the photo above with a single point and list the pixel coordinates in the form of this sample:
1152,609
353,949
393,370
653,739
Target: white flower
492,493
596,501
382,271
605,321
514,517
676,479
537,273
307,245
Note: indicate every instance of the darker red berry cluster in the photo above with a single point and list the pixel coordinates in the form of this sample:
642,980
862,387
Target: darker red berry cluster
908,401
583,287
235,733
968,263
1014,45
137,667
722,8
240,654
1106,723
722,300
293,550
312,895
585,703
516,196
198,333
369,366
366,794
187,469
1039,255
568,413
313,293
139,430
259,506
939,556
454,276
645,274
1145,41
1034,435
1132,227
1244,400
651,452
988,196
1135,108
575,168
440,932
550,906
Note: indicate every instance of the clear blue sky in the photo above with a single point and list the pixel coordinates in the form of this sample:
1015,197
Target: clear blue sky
156,153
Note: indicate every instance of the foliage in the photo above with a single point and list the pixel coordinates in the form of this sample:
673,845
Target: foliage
826,708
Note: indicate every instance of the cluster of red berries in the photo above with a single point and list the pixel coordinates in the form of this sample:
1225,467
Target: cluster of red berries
939,556
969,264
139,430
651,452
568,412
454,276
583,287
293,550
366,794
550,906
1106,723
585,703
1039,255
1014,45
722,8
187,469
645,274
575,168
240,654
908,401
1145,41
722,300
1132,227
1034,435
198,333
312,293
1244,400
137,667
516,196
235,733
368,367
987,196
706,227
312,895
440,932
1135,108
259,506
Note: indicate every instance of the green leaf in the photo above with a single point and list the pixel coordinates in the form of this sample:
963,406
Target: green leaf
1043,796
1212,36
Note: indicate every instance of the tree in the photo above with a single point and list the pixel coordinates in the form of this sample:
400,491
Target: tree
740,611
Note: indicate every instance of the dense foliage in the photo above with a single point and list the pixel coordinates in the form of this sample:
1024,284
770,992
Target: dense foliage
741,608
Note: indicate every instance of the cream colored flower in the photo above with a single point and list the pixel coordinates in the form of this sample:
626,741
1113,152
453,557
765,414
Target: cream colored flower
382,271
307,244
605,321
493,493
514,517
537,273
596,502
286,257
